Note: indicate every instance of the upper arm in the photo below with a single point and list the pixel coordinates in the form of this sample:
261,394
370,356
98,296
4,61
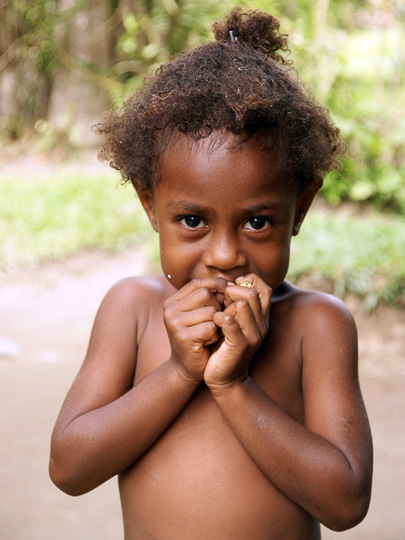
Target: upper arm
334,407
108,369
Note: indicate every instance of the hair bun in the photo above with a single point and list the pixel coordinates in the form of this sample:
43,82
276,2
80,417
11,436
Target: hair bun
256,28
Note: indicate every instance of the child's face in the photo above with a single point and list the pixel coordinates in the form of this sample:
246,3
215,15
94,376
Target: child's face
223,213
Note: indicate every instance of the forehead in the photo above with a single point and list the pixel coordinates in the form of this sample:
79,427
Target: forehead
222,167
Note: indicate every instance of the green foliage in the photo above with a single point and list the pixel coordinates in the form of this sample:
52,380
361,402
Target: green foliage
351,56
31,43
350,52
364,255
156,31
350,61
367,98
36,22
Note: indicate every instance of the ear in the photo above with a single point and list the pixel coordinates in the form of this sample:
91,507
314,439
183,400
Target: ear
148,203
304,202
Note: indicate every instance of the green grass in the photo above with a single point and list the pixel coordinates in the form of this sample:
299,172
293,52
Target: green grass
58,214
361,254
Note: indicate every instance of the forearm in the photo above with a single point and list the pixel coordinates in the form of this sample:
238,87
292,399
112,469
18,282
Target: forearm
103,442
304,466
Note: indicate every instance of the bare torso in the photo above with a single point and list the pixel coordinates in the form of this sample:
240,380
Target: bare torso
197,481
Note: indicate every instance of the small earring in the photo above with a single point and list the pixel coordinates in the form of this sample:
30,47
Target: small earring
169,276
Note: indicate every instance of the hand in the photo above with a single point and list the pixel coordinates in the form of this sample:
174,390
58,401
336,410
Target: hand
244,324
189,319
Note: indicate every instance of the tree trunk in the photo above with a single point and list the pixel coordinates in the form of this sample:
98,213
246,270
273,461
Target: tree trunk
24,89
84,49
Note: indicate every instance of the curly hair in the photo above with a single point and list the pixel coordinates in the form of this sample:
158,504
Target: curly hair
239,84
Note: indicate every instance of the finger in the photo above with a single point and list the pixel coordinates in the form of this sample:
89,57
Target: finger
230,327
194,337
177,321
252,297
194,299
196,316
242,312
214,285
262,288
205,333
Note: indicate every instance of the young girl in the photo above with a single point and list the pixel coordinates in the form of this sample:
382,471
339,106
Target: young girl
225,398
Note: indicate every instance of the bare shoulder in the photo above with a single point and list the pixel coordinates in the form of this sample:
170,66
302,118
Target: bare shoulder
122,319
135,297
324,331
146,289
327,337
315,311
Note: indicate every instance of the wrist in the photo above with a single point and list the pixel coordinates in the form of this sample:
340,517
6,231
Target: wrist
222,390
182,375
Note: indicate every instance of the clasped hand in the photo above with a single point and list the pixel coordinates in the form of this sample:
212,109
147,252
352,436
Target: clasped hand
215,327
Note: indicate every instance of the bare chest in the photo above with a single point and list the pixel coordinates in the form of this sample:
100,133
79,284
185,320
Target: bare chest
199,466
276,367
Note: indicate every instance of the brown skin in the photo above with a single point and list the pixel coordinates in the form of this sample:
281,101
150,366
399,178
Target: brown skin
238,413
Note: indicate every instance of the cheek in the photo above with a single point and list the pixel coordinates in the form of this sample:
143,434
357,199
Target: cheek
176,259
274,263
284,261
166,260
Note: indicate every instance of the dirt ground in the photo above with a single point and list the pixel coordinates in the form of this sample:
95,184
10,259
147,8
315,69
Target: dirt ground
47,314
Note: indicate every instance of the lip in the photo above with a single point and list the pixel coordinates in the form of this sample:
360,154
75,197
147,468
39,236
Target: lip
227,278
231,278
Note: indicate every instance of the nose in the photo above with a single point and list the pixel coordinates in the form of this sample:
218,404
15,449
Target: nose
223,251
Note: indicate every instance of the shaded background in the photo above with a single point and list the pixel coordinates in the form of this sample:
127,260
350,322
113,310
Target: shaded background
67,232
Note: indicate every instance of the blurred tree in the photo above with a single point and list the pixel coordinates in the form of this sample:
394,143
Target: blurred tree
25,63
62,61
54,56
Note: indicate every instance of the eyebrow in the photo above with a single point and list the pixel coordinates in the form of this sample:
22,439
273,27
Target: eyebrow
183,205
261,207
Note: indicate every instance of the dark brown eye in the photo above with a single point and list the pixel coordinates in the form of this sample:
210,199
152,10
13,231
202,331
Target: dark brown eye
193,222
256,223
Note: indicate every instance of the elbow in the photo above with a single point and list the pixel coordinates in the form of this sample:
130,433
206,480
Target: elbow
350,501
348,514
69,467
65,480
